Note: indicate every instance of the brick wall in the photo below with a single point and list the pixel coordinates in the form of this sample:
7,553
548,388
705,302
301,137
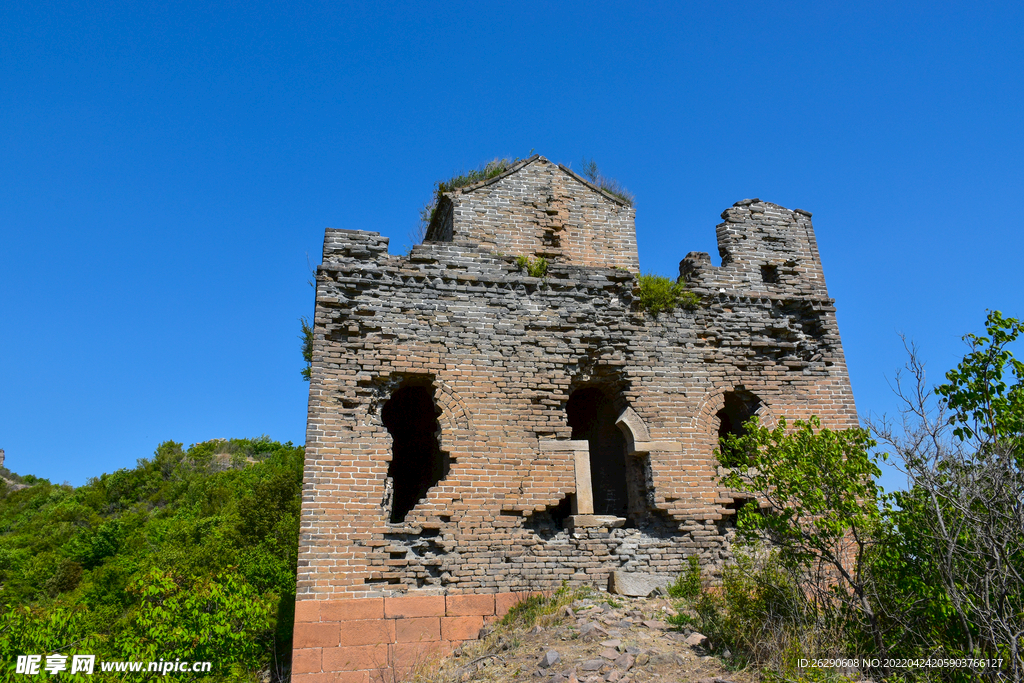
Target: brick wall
538,208
502,353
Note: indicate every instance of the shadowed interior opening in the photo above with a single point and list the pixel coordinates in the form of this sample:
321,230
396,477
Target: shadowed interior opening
417,461
739,407
591,414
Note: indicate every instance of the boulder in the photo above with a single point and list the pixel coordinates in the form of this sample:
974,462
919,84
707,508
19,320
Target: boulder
636,584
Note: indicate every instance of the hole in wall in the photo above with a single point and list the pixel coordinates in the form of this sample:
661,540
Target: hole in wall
591,415
551,520
770,274
417,461
740,406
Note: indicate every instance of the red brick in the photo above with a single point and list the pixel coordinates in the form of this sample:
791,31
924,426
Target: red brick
414,606
461,628
355,658
503,602
417,629
469,605
349,610
367,632
333,677
409,656
306,660
307,610
316,635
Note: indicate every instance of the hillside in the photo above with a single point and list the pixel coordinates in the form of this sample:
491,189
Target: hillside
190,555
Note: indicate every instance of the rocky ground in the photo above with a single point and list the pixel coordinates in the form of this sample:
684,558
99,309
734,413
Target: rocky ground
594,639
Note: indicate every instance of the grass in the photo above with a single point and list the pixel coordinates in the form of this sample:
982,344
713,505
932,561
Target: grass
688,584
492,168
609,185
496,167
536,610
658,293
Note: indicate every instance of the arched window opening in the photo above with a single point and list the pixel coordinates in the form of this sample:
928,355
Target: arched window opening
739,407
417,461
591,413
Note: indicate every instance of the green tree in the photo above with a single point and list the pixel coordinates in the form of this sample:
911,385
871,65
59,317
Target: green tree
953,569
814,501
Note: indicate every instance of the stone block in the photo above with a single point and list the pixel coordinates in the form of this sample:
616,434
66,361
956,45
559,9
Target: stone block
307,610
417,629
415,606
469,605
306,660
461,628
367,632
351,610
316,635
636,584
368,657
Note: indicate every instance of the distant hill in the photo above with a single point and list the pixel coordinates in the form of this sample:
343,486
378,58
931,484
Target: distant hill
190,555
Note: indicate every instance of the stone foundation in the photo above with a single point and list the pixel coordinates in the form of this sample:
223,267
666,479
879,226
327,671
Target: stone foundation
366,640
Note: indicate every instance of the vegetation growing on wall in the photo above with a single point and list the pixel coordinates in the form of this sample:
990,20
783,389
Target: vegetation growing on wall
190,555
609,185
496,167
492,168
536,267
658,293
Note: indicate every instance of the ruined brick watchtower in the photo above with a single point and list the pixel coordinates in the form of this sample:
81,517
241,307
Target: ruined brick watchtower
476,433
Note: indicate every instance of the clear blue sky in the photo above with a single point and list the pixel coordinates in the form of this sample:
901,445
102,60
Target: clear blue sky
166,170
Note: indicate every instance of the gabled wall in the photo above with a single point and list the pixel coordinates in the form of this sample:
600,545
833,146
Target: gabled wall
538,208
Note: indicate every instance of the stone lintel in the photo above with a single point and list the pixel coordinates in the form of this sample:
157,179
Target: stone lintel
596,521
662,446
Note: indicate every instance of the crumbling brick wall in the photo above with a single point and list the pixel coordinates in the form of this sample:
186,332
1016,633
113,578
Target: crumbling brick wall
500,355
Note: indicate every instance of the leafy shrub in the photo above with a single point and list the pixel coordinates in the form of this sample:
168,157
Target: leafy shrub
658,293
221,619
761,616
537,267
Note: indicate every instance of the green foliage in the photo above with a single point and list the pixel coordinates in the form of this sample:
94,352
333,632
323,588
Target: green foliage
611,186
818,484
307,348
950,556
192,551
933,571
537,267
658,293
977,390
817,506
760,614
222,619
688,584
